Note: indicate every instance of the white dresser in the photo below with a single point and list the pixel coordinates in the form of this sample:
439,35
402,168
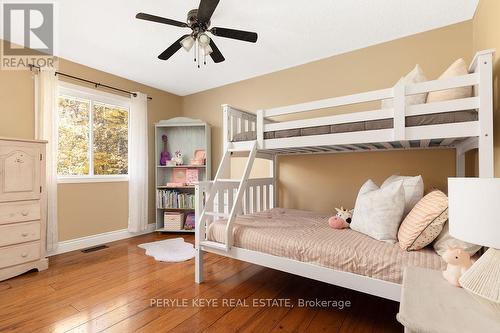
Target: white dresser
22,207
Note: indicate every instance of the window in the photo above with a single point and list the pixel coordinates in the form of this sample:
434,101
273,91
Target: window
92,136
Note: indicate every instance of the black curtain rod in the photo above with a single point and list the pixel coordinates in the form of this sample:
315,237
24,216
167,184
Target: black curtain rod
96,84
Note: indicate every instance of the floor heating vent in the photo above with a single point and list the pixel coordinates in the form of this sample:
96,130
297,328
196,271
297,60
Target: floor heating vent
95,248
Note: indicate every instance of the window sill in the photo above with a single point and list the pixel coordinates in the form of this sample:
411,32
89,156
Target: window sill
104,179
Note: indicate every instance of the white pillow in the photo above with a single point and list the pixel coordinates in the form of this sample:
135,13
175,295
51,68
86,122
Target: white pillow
458,68
413,187
379,211
415,76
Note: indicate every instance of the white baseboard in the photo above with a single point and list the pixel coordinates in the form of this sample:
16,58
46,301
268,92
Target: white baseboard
94,240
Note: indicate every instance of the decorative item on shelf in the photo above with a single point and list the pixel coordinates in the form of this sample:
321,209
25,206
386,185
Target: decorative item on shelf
189,224
467,197
171,163
179,175
172,184
342,219
192,176
178,158
458,262
200,157
165,156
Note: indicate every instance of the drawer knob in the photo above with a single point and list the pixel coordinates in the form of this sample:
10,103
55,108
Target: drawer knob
24,255
24,213
24,234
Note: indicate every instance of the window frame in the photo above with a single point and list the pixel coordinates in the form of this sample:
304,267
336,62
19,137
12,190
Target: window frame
94,96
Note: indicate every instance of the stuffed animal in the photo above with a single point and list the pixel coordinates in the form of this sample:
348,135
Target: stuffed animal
178,158
458,263
342,219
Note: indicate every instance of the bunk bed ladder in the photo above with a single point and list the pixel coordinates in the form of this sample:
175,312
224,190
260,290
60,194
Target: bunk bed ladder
218,185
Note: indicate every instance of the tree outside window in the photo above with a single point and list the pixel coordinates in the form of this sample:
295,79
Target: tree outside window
92,138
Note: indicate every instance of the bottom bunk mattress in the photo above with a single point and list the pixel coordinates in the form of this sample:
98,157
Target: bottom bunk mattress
307,237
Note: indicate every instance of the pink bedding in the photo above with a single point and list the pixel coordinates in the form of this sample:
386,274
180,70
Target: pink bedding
305,236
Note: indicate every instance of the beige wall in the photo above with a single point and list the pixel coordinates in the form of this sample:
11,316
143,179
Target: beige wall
92,208
84,209
486,35
321,182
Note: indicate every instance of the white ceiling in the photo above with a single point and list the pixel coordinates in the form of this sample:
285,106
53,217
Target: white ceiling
106,36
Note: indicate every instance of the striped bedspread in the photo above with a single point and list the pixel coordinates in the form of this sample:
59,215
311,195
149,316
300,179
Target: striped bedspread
306,236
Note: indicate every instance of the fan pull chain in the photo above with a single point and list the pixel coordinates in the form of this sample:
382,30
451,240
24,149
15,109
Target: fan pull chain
198,54
195,47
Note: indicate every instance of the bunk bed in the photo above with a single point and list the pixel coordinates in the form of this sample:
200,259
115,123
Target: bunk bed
239,217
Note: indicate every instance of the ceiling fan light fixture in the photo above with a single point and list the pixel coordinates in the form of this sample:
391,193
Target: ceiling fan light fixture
187,43
206,50
199,21
204,40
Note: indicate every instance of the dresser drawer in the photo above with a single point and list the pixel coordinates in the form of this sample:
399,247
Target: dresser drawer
19,211
19,254
19,233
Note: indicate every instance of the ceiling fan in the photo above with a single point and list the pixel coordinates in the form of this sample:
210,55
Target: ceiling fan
198,20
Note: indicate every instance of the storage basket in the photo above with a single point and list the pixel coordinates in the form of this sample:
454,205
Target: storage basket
173,221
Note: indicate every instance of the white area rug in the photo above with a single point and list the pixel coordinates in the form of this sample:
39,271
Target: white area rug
171,250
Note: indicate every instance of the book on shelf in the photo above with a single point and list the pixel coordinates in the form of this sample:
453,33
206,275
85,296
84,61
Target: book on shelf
174,200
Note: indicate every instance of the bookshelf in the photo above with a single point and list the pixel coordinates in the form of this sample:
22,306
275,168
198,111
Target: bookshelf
186,135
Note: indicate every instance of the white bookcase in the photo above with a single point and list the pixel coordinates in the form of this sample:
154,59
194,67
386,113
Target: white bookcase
186,135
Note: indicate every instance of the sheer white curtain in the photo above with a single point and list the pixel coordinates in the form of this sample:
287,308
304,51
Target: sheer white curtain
46,129
138,164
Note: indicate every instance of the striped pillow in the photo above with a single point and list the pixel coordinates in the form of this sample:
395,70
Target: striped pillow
424,222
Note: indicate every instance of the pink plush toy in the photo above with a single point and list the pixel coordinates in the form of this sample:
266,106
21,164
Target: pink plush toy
342,219
458,263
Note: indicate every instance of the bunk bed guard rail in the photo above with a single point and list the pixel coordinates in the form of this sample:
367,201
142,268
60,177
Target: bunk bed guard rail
258,197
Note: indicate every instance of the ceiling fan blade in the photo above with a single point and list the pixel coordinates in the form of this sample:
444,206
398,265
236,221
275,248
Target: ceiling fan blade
206,9
216,54
246,36
158,19
172,49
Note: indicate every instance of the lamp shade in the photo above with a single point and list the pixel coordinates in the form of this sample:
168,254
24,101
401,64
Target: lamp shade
206,50
187,43
474,210
204,39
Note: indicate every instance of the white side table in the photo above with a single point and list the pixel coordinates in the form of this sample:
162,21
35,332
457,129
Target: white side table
430,304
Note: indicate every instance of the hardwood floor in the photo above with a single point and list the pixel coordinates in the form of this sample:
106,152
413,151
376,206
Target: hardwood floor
111,290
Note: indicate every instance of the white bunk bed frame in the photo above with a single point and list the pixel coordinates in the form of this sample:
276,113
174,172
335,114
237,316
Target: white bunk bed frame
226,198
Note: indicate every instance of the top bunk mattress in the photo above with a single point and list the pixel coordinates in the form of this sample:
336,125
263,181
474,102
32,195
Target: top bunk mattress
307,237
421,120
